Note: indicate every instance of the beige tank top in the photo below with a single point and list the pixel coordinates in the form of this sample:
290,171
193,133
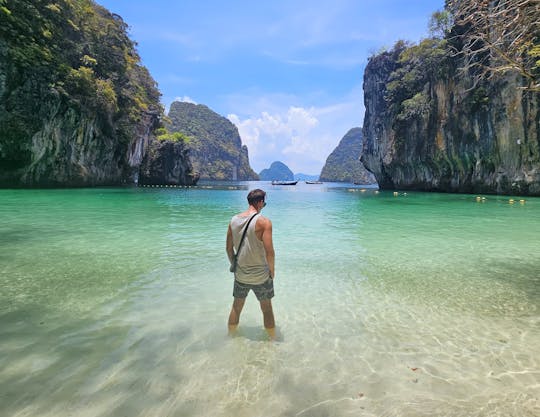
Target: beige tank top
252,267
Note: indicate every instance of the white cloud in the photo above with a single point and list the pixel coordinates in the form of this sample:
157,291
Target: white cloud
301,120
167,101
185,99
302,137
176,38
264,135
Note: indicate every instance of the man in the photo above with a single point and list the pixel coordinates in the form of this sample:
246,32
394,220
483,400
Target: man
254,262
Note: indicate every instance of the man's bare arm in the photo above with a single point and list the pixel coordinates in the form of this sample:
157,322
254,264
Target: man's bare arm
229,246
269,246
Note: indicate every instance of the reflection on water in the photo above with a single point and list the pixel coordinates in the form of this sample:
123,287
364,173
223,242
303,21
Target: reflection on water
114,302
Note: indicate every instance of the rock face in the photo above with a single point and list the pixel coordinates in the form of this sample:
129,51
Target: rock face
167,163
76,106
71,150
447,135
216,149
343,164
278,171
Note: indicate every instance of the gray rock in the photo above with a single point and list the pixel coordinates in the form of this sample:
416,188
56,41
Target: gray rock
167,163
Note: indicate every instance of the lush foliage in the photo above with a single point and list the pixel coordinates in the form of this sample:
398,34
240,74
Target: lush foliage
419,65
441,23
70,53
162,134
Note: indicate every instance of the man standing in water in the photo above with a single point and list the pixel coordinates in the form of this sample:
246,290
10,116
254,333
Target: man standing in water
254,260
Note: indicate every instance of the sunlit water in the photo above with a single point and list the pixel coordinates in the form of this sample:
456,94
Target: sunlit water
114,302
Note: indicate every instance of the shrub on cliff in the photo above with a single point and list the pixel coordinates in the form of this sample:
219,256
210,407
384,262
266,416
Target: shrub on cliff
418,65
162,134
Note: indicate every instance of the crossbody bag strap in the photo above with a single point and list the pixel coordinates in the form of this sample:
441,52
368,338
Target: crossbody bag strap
242,239
244,234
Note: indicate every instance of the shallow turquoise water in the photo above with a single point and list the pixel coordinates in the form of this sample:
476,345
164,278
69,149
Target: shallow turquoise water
114,302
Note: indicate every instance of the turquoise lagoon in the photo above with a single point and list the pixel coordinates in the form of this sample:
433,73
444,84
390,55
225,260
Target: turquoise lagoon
114,302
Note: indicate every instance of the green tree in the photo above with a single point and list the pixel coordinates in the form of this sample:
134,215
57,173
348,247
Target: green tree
440,24
162,134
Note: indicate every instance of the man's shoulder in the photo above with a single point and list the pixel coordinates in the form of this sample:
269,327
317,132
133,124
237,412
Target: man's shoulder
264,221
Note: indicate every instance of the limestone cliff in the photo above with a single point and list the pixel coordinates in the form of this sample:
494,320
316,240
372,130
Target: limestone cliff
343,164
76,106
216,150
167,163
443,133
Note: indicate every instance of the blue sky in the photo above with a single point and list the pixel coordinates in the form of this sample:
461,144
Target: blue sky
287,73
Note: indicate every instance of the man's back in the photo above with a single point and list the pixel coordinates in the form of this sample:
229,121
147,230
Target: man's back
252,267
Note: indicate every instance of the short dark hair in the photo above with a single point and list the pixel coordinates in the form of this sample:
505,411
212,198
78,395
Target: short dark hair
255,196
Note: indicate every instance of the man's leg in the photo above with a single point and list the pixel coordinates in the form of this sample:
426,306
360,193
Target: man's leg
234,316
268,316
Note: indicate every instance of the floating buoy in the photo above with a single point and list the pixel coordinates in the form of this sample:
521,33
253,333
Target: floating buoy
396,193
511,201
376,191
521,201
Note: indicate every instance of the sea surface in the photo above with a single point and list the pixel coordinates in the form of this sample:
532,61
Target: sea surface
114,302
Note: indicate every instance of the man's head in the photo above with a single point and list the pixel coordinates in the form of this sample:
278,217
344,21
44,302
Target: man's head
256,196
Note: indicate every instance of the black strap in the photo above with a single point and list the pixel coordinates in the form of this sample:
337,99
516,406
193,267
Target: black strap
242,241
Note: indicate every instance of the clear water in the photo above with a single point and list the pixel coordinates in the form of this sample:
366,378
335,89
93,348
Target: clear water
113,302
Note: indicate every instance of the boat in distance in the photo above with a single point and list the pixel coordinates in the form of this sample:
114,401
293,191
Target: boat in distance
314,182
284,182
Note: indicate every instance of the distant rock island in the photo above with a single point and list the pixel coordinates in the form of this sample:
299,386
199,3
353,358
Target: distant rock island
278,171
343,164
214,144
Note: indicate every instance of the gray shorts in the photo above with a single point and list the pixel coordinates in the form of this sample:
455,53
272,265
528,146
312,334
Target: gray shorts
264,291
